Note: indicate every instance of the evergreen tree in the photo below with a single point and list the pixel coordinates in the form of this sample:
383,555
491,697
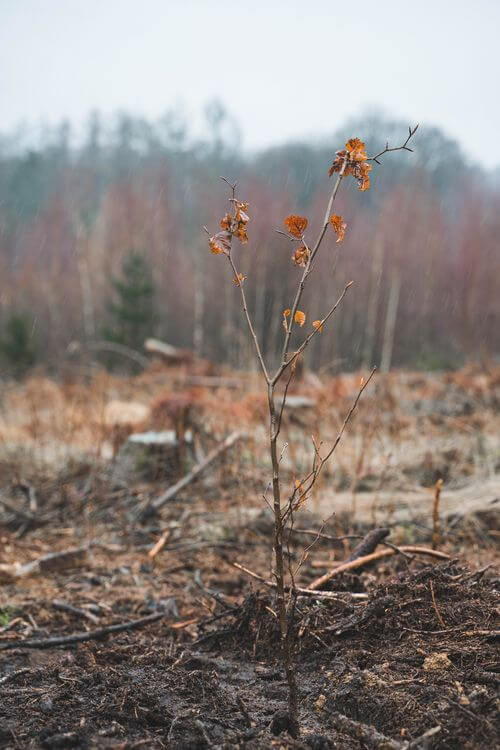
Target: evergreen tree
132,310
17,346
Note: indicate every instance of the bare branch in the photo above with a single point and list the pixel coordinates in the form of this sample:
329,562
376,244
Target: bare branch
249,321
307,269
313,333
315,473
403,147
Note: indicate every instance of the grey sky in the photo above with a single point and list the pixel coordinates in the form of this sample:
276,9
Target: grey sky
284,68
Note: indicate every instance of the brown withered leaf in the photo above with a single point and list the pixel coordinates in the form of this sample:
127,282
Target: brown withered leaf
239,279
356,149
339,226
296,225
241,234
286,314
318,325
363,176
241,220
299,318
220,243
226,222
241,213
301,256
354,157
337,162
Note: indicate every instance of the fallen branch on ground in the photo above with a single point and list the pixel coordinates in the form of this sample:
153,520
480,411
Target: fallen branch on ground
154,506
373,557
368,544
51,563
372,738
65,607
301,591
92,635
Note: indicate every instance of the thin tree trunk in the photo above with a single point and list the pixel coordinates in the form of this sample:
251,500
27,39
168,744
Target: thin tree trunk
85,283
286,637
199,307
373,300
390,321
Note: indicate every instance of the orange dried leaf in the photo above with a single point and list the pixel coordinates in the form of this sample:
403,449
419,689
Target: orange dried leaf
339,226
286,314
226,222
356,149
299,318
241,215
318,325
239,279
337,162
241,220
296,225
301,256
241,234
220,243
363,176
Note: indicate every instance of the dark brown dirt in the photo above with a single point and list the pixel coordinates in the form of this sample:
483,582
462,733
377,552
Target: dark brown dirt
386,663
418,653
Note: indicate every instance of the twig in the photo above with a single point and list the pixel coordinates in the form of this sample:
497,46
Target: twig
50,563
372,738
425,736
92,635
434,604
249,321
64,607
368,544
159,544
308,267
313,333
360,561
435,514
317,468
300,591
169,494
17,673
327,537
366,734
403,147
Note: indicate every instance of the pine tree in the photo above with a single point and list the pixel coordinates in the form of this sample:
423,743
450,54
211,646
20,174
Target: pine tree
132,310
17,346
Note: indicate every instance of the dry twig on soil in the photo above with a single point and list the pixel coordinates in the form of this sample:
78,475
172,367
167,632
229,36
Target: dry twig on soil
373,557
154,506
92,635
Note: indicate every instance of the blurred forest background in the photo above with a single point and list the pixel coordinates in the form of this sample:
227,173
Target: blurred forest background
101,239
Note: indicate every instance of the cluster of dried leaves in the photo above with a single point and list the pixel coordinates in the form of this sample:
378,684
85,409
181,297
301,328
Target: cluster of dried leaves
353,161
232,225
350,161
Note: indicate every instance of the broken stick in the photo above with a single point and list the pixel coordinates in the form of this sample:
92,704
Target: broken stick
301,591
369,543
360,561
92,635
153,507
54,562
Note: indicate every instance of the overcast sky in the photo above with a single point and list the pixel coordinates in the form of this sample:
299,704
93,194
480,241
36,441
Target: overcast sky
284,68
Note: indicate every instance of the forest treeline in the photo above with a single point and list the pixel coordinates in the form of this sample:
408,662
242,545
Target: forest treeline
104,240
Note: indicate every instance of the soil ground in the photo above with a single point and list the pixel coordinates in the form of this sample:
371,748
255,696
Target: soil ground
417,652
